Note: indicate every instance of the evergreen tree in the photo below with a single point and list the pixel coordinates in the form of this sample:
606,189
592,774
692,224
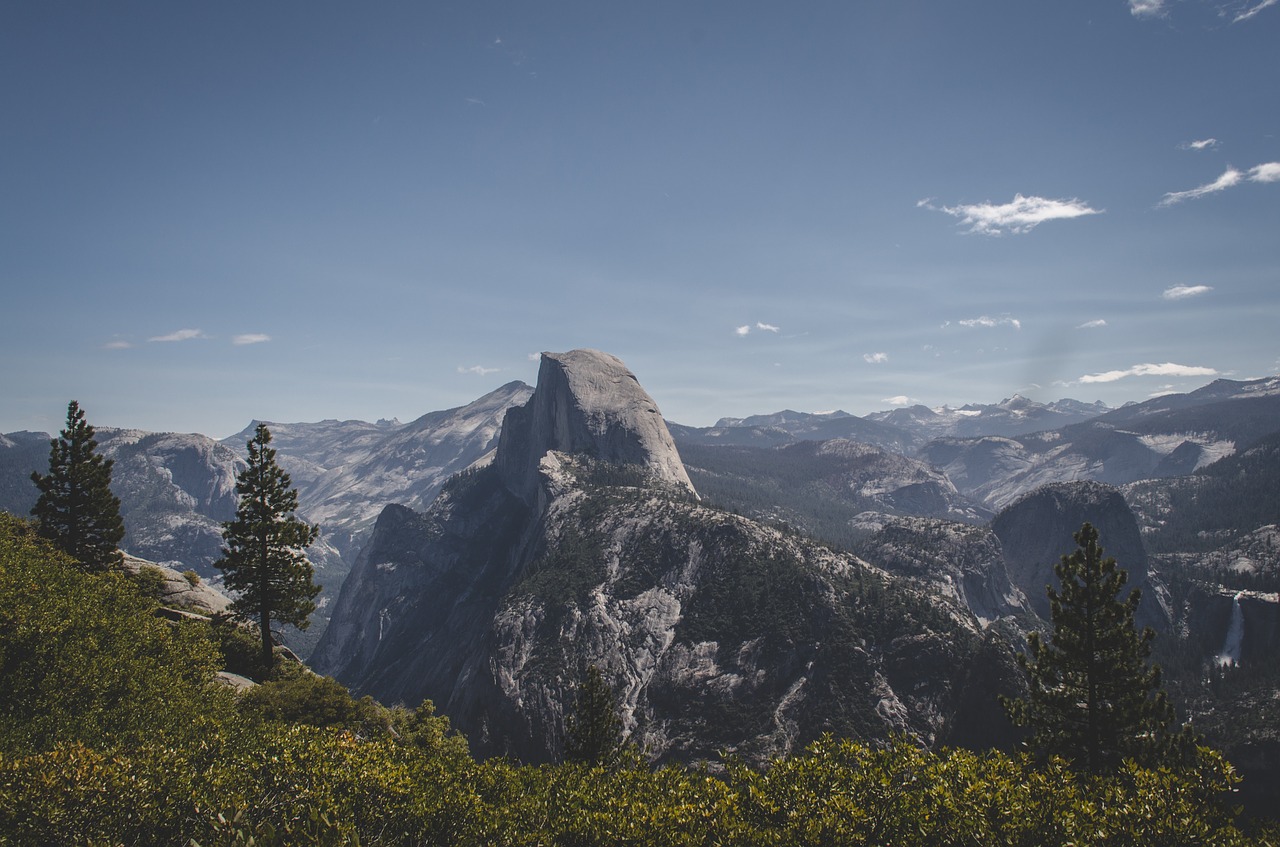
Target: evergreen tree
76,510
593,732
263,558
1093,697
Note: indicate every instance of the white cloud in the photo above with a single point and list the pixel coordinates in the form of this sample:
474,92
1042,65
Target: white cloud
1249,13
1146,8
180,335
743,330
1181,292
250,338
1230,177
118,344
766,327
900,400
1202,144
986,322
1166,369
1022,214
875,358
1267,172
478,370
1096,324
534,357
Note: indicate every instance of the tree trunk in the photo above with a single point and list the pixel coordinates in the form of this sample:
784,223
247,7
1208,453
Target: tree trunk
268,656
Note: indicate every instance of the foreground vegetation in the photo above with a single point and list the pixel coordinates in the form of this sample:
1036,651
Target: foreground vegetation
113,732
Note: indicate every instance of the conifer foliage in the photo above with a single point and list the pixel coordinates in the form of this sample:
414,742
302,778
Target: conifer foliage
264,559
1093,697
76,509
593,732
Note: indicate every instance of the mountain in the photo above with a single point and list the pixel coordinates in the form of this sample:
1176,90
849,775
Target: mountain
20,454
1015,415
788,427
820,486
176,489
584,543
1039,528
1164,437
957,560
898,430
347,471
1213,505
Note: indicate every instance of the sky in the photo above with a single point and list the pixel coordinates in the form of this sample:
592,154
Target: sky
212,213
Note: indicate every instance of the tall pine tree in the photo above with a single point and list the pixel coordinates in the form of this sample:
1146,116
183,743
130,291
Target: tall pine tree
264,559
593,732
76,509
1093,697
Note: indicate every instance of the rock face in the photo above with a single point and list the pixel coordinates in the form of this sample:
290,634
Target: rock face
584,544
819,486
1038,529
586,402
957,560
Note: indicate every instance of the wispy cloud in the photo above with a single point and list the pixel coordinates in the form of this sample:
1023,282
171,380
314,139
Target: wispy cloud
1096,324
900,400
1231,177
1182,292
478,370
745,329
1146,8
1020,215
986,322
1166,369
118,344
1253,10
180,335
250,338
1202,144
534,357
875,358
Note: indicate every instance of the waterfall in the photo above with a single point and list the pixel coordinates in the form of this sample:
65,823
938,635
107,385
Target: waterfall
1230,654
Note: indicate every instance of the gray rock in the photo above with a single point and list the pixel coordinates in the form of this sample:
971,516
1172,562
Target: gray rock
1037,531
586,402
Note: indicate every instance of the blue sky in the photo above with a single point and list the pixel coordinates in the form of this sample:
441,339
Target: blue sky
215,212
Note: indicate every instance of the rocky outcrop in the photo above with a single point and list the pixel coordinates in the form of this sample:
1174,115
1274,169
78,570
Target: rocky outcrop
956,560
1038,530
589,403
180,591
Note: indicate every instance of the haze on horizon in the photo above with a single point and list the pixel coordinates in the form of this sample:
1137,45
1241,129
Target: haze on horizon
216,213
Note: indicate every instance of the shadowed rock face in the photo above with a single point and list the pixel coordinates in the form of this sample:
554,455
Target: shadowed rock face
1038,530
586,402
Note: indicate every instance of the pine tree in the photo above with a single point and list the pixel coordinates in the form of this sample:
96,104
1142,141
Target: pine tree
263,558
76,510
593,732
1093,697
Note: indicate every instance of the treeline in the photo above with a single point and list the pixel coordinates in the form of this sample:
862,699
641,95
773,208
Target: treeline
1222,501
113,731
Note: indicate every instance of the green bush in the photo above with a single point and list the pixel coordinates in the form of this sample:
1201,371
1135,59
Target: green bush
83,658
